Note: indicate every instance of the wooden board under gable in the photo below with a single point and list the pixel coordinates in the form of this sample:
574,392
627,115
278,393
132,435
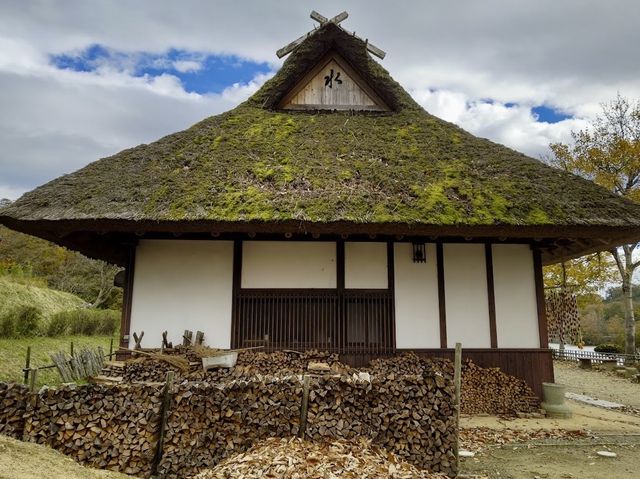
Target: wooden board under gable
332,85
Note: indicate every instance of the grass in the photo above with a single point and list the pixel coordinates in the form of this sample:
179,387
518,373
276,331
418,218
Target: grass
13,352
50,301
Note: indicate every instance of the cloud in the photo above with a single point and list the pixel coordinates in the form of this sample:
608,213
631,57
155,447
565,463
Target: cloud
487,66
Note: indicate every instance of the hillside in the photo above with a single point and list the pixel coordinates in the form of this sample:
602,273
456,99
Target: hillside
50,301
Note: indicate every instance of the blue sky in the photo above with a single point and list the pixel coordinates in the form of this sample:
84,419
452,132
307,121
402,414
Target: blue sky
198,72
83,80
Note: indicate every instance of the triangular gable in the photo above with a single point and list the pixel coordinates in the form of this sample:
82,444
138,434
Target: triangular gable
332,84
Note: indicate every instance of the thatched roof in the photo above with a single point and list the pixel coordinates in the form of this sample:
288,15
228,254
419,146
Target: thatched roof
257,167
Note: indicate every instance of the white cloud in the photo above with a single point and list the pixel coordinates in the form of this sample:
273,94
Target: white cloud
570,55
187,66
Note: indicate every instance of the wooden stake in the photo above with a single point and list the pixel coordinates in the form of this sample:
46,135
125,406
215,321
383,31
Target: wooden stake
32,383
166,403
71,348
111,350
304,406
27,364
457,380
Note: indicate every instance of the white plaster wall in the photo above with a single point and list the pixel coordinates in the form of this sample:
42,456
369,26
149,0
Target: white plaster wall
182,285
417,309
467,303
288,264
365,266
515,293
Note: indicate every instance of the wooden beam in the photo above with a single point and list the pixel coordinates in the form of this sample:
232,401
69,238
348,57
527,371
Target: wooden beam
441,295
127,299
235,288
491,295
391,285
321,19
542,312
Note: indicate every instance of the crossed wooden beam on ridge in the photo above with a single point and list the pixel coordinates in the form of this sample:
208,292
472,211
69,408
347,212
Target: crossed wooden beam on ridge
322,20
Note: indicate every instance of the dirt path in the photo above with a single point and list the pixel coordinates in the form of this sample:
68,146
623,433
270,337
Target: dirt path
597,384
556,462
24,460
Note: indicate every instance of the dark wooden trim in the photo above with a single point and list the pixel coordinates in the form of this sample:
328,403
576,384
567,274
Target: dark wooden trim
542,312
442,302
491,295
391,285
236,287
127,297
340,265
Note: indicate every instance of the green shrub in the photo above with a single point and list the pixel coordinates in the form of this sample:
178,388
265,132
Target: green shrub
58,324
8,326
89,322
28,320
607,348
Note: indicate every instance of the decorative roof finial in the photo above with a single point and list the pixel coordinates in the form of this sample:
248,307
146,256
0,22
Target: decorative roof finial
322,20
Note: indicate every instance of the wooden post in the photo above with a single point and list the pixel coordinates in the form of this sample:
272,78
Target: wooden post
304,407
457,380
27,364
164,412
32,382
71,348
111,350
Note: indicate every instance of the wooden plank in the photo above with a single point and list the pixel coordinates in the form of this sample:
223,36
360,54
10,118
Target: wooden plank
236,285
491,295
442,304
540,302
127,300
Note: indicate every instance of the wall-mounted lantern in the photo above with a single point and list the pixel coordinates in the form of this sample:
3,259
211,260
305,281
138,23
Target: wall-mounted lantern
419,253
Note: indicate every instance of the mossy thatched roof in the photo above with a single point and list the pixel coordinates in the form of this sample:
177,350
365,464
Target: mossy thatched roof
256,165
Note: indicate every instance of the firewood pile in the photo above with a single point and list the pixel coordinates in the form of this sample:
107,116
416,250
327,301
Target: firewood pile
109,427
491,391
410,415
210,421
13,401
286,458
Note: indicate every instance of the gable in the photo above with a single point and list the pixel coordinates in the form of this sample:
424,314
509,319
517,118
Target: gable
332,84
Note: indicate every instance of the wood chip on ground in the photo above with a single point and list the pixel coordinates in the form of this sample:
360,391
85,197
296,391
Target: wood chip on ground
297,458
477,438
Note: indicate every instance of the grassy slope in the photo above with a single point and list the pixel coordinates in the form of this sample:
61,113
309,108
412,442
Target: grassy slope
14,293
23,460
13,352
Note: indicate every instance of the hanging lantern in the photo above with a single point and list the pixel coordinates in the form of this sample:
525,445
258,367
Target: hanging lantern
419,253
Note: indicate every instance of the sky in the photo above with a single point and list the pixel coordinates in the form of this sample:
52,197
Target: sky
81,80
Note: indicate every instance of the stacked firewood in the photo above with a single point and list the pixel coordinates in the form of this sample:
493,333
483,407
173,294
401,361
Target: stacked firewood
410,415
491,391
13,401
107,427
208,422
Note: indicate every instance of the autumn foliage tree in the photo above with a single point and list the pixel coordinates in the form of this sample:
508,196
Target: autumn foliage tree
608,153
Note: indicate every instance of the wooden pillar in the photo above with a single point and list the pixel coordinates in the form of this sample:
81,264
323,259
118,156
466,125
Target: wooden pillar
491,295
127,299
237,284
391,285
441,295
542,313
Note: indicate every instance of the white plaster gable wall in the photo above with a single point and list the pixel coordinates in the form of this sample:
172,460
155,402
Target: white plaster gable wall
466,297
365,266
515,295
416,299
182,285
288,264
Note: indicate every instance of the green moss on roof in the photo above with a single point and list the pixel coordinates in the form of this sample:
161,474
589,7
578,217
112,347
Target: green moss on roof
255,163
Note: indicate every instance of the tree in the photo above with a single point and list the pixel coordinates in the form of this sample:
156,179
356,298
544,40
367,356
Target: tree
608,153
584,276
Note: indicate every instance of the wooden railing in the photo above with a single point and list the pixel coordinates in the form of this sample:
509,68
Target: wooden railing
351,321
577,354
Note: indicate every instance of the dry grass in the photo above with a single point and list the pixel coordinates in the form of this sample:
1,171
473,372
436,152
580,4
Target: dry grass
24,460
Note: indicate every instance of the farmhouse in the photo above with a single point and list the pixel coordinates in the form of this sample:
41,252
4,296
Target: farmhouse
330,211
